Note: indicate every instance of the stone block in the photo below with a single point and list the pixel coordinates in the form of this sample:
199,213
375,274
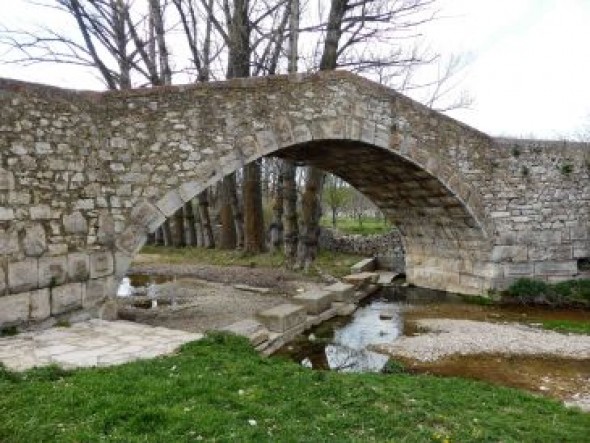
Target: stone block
122,264
78,266
518,269
170,203
147,216
23,275
267,141
341,292
14,309
52,271
283,317
40,212
552,252
97,291
131,240
34,241
249,328
581,249
314,301
101,264
361,278
509,254
569,267
366,265
6,180
8,242
106,229
75,223
40,307
66,298
188,191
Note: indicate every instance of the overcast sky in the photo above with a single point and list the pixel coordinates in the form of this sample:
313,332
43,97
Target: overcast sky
529,74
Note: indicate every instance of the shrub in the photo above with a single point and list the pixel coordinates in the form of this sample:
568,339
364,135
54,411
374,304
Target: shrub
528,288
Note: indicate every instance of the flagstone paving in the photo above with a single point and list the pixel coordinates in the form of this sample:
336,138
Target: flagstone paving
91,343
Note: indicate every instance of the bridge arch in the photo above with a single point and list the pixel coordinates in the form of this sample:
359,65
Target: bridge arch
84,176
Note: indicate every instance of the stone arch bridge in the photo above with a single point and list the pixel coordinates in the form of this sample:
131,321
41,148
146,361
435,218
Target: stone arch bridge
85,176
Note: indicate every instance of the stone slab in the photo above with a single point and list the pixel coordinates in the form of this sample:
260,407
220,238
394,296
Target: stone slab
40,307
366,265
14,309
249,328
361,278
386,278
52,271
23,275
101,264
282,317
315,301
342,292
255,289
66,298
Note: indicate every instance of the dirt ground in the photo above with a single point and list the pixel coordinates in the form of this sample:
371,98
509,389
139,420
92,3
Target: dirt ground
202,297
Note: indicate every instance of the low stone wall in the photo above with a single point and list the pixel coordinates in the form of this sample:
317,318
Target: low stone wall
387,248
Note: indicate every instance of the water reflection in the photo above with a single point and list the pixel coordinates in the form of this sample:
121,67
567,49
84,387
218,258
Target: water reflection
343,347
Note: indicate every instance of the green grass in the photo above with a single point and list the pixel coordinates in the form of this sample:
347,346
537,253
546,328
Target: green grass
369,225
219,389
578,327
333,263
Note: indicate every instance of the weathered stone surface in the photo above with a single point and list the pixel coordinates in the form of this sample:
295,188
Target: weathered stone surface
282,318
97,290
22,275
101,264
34,241
53,271
40,307
366,265
249,328
106,229
361,278
464,210
6,180
314,302
78,266
14,309
147,215
67,297
342,292
75,223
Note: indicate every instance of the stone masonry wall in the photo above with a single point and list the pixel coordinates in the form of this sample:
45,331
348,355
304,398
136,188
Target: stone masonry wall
85,176
387,245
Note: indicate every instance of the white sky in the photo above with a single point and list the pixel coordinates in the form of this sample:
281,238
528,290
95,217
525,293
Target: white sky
529,75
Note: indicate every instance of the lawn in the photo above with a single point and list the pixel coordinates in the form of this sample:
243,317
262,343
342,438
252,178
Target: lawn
364,226
219,389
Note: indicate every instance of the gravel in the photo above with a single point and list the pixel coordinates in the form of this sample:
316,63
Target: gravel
446,337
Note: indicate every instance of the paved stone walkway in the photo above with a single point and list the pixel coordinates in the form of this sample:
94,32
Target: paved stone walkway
90,343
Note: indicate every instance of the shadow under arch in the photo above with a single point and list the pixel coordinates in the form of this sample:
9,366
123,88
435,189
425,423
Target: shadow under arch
446,243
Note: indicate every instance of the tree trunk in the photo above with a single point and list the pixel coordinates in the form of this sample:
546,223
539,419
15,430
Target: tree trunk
311,212
227,238
209,239
290,211
276,226
236,209
167,233
253,214
190,233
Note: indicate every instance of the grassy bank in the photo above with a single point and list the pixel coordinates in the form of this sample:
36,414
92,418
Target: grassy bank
334,263
219,389
363,226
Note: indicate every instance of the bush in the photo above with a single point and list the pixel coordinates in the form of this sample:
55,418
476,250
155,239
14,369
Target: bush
527,290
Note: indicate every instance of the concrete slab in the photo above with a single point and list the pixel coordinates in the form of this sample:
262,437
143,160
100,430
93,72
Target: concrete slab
282,317
314,301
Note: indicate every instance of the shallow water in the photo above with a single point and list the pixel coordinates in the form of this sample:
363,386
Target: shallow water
340,344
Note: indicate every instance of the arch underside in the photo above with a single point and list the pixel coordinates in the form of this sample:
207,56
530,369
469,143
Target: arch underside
445,246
